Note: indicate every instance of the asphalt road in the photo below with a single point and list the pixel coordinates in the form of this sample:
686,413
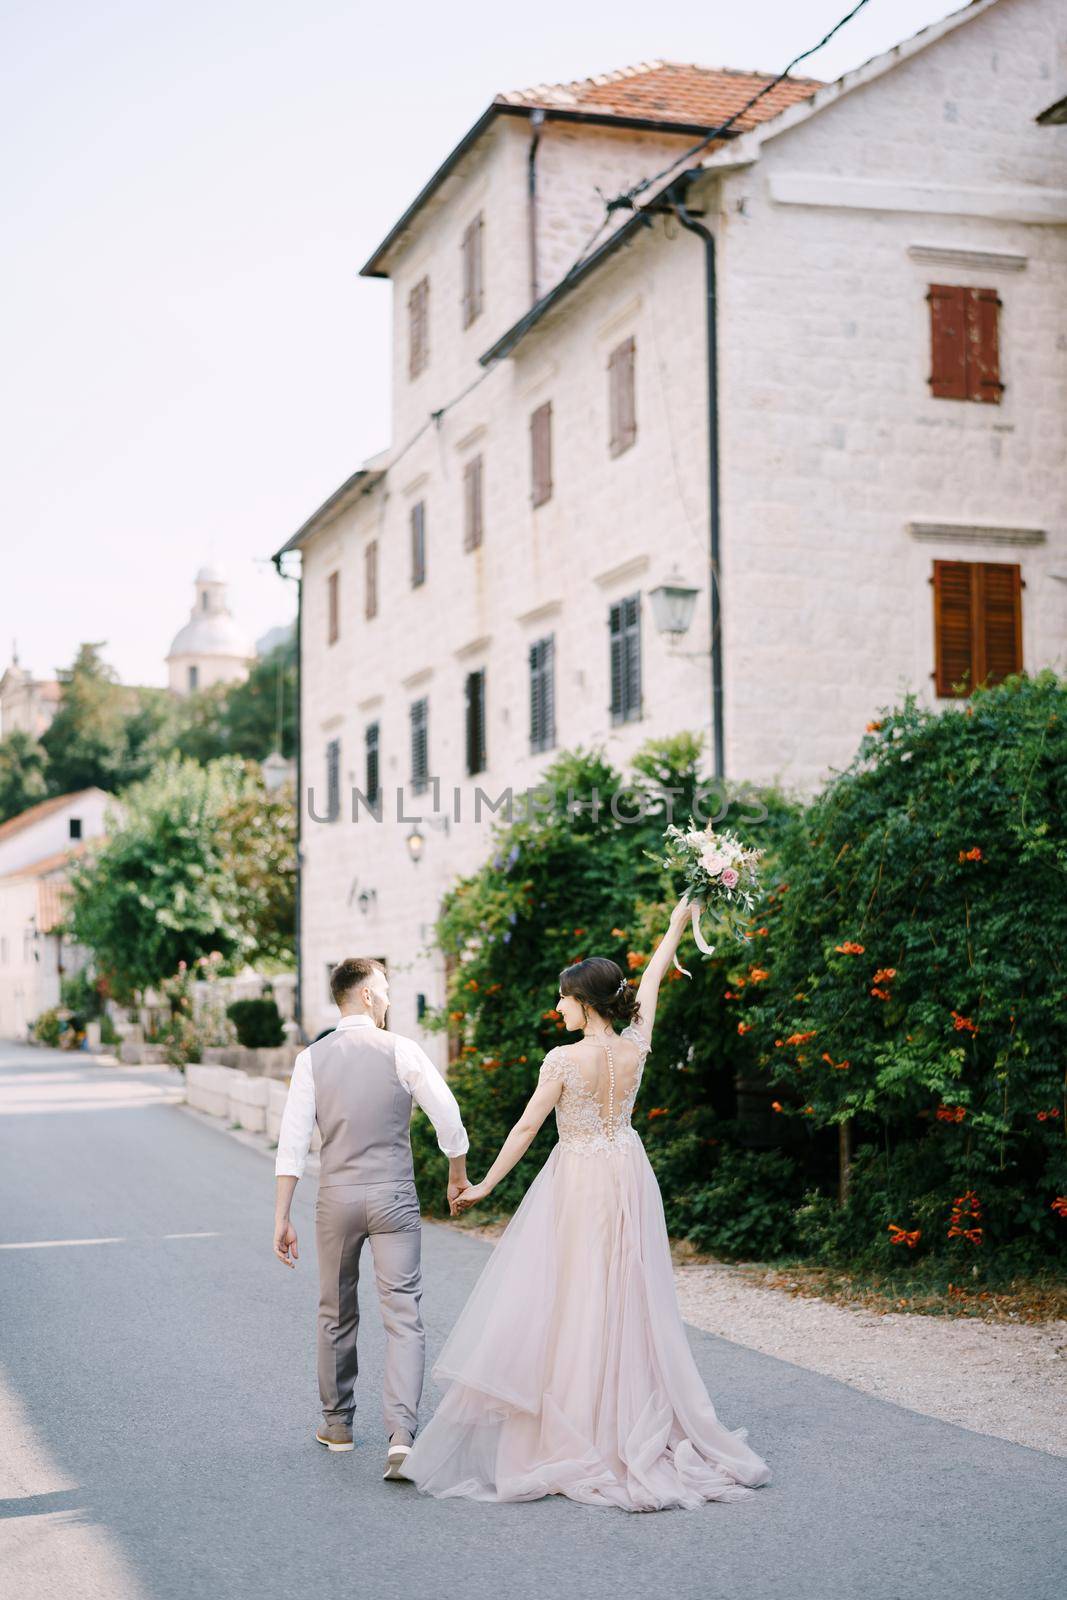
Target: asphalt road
158,1403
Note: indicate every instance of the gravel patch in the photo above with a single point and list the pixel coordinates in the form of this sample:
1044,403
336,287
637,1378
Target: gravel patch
990,1377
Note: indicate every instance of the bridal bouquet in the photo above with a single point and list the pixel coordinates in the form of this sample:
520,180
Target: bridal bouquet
720,874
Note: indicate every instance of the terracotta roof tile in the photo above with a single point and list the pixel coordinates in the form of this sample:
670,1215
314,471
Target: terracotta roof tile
669,91
37,813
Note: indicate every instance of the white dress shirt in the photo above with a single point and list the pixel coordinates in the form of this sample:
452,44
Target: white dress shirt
416,1072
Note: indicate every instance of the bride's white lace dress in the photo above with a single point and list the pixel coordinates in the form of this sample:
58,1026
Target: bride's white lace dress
569,1370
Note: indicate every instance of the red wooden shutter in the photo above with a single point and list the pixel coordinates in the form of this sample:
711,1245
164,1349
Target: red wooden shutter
983,346
419,327
999,633
541,454
954,608
948,342
472,271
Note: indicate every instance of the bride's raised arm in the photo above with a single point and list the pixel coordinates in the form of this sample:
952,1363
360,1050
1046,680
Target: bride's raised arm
659,961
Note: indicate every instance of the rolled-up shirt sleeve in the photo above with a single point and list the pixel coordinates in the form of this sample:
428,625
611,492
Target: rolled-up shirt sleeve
431,1093
298,1121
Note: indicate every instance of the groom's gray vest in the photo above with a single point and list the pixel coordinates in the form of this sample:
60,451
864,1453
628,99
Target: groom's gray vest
362,1109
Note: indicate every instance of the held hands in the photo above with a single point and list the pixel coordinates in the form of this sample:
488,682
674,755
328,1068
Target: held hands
467,1198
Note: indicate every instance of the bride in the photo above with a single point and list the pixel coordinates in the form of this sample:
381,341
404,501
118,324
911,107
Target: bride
569,1370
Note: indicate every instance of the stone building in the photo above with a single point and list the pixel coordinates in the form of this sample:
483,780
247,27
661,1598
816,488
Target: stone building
27,704
210,648
871,469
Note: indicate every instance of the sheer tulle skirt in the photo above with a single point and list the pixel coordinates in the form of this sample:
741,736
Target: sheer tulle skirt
569,1370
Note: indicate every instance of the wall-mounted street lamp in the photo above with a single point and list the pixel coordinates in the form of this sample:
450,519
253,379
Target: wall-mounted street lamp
673,604
416,845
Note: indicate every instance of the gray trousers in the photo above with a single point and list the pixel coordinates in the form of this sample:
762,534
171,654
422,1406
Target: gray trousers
387,1214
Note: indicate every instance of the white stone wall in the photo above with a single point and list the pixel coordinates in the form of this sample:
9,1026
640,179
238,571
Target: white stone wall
832,444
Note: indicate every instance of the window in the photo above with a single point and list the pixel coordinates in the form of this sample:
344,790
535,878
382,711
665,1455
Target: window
333,780
75,827
977,624
333,607
471,251
420,745
419,328
371,770
964,343
370,580
541,454
193,679
543,694
418,544
622,412
624,624
476,761
473,490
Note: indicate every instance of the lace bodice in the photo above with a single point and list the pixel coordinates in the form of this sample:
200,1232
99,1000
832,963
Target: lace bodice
581,1123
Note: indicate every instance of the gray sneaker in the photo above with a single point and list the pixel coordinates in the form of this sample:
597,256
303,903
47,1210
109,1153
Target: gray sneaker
335,1435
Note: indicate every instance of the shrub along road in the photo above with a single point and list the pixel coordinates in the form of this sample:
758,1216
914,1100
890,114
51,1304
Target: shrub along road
157,1405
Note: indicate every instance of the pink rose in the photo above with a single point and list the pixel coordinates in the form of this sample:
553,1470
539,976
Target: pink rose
729,878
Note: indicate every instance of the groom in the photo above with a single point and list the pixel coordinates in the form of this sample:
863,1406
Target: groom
357,1084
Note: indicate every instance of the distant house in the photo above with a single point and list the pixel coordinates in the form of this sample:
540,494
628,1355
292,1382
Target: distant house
868,477
36,849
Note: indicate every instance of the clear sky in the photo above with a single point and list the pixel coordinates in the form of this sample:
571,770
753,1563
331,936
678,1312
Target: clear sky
190,363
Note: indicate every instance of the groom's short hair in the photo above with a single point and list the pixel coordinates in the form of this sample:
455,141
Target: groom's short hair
348,975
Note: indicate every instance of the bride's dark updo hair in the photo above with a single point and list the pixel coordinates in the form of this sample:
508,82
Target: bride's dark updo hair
598,983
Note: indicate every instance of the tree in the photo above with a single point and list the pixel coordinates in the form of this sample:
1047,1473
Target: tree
23,767
199,859
249,719
85,742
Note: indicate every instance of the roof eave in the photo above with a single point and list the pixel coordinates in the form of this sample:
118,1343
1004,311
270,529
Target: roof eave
375,265
350,491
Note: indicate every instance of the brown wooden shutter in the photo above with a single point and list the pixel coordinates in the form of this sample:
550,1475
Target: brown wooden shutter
472,504
370,569
948,341
622,410
471,251
977,624
983,346
418,327
333,626
999,635
541,454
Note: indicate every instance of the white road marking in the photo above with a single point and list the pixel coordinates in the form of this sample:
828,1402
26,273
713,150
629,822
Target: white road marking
54,1244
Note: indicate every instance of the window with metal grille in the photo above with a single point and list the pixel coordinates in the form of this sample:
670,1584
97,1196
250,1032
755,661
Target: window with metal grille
622,409
333,607
420,745
370,580
418,544
541,454
964,343
978,635
476,760
333,780
471,252
370,762
624,628
419,328
543,694
473,528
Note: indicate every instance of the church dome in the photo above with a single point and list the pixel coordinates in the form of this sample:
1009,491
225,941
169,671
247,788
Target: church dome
210,648
211,634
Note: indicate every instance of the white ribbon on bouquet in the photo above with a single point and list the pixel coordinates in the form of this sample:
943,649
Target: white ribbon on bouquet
702,945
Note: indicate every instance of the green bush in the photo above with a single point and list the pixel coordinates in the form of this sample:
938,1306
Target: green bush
81,993
912,984
747,1208
258,1023
50,1027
